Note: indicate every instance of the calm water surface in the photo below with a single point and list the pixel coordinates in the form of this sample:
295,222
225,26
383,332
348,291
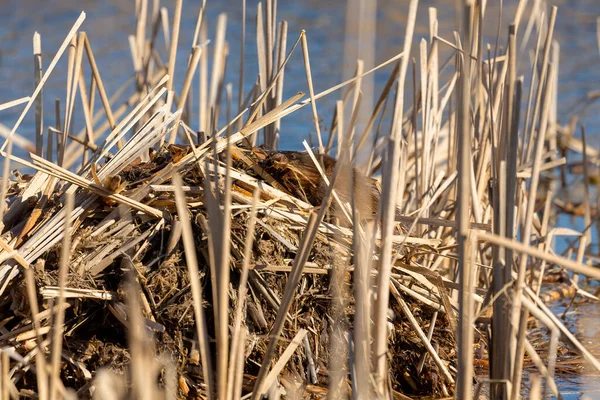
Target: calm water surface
110,22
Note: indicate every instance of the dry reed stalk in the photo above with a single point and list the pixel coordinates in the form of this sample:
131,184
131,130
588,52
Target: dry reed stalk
554,335
389,200
74,71
542,80
192,263
136,58
281,56
72,148
550,382
140,34
501,360
339,344
222,262
362,319
174,43
128,122
143,365
199,21
40,358
311,91
260,47
535,393
242,61
521,321
587,218
283,360
237,334
99,84
87,115
379,105
238,377
5,179
58,323
216,80
270,26
465,331
14,103
421,334
39,110
194,59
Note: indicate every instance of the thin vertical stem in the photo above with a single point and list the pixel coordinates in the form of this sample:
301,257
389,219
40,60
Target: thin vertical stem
59,320
465,331
389,199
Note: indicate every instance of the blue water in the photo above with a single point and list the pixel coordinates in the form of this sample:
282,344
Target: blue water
582,319
110,22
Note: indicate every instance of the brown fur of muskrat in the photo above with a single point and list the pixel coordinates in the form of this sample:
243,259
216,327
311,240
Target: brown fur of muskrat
297,173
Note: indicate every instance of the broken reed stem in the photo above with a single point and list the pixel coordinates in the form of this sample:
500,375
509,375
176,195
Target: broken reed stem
140,32
187,83
99,84
5,178
222,329
192,264
282,39
587,218
73,84
174,43
463,199
283,360
533,252
389,199
421,335
311,91
363,260
40,357
14,103
87,115
59,320
237,345
39,105
519,317
242,62
217,77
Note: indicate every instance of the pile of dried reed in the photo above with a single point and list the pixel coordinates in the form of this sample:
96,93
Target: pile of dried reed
153,260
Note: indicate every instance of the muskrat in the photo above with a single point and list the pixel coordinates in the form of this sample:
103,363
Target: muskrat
298,175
